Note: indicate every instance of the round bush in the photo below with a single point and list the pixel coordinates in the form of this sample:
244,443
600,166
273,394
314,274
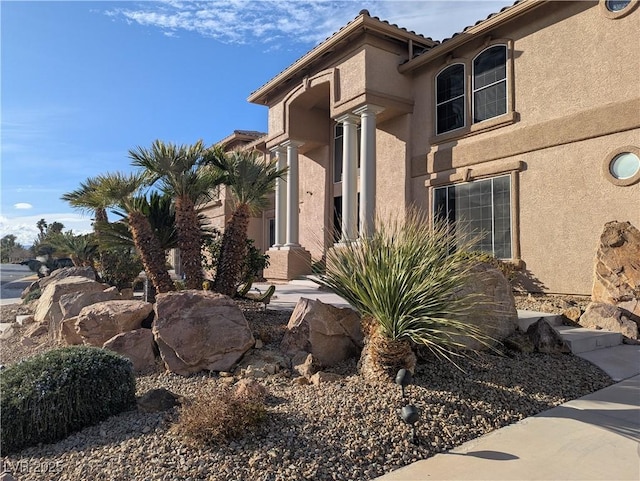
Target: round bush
47,397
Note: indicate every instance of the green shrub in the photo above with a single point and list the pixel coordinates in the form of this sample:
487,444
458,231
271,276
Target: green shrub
33,295
509,271
47,397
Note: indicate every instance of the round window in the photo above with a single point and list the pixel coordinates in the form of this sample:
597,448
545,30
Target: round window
625,165
616,5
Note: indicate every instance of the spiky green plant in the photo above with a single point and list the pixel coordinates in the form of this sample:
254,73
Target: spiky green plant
406,278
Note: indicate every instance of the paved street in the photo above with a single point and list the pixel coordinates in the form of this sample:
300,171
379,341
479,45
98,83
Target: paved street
12,283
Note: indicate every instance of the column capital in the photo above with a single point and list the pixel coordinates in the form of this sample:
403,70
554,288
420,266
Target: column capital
281,148
369,108
348,119
292,143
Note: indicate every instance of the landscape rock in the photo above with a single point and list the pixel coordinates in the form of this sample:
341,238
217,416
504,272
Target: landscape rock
304,364
99,322
325,377
157,400
68,334
200,330
57,275
546,339
25,320
608,317
495,314
262,361
137,346
35,330
71,304
617,267
48,306
572,313
250,390
332,334
8,333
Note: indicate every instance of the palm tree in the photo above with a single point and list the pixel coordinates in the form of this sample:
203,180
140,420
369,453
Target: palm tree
91,198
181,174
250,180
158,209
122,189
80,248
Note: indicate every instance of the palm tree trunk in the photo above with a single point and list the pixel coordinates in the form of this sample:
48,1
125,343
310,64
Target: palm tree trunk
107,261
232,252
381,357
189,242
151,252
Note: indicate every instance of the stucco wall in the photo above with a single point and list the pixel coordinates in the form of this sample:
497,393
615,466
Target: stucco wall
315,206
576,97
565,200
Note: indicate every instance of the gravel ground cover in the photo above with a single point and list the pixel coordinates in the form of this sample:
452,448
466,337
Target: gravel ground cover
347,430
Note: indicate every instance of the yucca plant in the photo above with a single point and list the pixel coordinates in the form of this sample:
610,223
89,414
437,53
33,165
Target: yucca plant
404,281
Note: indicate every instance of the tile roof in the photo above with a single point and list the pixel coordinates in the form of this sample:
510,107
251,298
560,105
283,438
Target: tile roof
363,13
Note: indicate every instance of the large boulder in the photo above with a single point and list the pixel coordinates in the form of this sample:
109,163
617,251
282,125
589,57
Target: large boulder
617,267
331,334
48,307
58,275
200,330
71,304
99,322
495,316
608,317
137,346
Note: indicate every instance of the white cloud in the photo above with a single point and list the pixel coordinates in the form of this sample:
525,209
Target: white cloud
22,205
244,21
25,230
276,21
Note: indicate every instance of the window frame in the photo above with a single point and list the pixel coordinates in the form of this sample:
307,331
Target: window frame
613,15
464,96
474,90
512,215
470,128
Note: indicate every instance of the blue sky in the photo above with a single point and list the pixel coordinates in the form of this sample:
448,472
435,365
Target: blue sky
84,82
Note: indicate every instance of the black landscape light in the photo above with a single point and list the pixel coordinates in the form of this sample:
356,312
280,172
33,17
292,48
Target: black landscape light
403,378
410,415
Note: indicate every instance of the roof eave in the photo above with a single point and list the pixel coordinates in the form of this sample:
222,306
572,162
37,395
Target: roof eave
451,44
361,22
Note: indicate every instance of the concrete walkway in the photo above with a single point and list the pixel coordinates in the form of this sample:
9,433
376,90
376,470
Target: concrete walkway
595,437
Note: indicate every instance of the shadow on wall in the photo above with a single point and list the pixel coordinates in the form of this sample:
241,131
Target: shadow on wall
527,282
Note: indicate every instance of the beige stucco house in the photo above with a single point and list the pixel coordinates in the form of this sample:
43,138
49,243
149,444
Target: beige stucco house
525,125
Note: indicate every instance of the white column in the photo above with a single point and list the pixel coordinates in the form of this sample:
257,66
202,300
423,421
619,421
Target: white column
368,168
281,198
292,194
349,177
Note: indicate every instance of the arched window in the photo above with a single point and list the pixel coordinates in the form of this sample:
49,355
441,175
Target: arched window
490,83
450,104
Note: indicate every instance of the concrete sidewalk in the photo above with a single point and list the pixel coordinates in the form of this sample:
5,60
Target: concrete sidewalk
595,437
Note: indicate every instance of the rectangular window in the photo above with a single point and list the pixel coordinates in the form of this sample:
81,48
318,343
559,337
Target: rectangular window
480,208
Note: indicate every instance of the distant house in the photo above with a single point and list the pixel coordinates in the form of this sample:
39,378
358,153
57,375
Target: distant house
525,125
